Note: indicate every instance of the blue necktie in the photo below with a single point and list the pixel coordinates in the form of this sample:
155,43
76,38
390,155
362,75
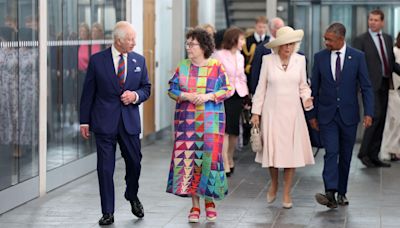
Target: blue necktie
121,71
337,68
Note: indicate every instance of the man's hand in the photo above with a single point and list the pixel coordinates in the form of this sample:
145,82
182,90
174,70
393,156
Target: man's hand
255,120
128,97
85,131
367,122
314,124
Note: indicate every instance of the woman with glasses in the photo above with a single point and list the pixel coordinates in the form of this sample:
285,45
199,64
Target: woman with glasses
199,87
233,61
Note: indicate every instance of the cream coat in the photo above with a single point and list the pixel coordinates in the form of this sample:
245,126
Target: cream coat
286,142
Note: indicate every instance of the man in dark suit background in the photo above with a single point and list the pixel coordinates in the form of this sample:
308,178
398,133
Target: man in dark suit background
274,24
116,84
259,35
378,49
338,73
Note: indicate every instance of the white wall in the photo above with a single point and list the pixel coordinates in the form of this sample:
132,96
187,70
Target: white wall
137,22
165,68
206,12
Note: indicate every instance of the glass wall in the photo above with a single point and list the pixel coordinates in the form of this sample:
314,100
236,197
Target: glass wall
77,29
19,91
315,16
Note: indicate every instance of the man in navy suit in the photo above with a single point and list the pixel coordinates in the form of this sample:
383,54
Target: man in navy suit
339,72
116,84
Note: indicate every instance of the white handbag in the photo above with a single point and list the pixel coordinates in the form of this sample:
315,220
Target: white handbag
256,139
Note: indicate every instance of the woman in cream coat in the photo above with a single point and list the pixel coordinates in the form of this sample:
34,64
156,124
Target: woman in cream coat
282,83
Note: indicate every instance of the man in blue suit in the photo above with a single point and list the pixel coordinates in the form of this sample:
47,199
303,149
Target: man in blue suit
339,72
116,84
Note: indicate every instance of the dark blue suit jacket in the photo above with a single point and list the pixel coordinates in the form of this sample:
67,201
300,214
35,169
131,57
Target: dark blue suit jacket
260,51
330,95
101,106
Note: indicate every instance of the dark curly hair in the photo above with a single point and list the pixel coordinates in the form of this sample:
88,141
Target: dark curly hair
398,40
231,37
205,40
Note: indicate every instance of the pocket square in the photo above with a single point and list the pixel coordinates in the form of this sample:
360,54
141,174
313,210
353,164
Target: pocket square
137,69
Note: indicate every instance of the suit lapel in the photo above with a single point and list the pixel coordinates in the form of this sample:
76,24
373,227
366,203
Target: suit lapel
346,63
327,62
131,68
109,65
372,45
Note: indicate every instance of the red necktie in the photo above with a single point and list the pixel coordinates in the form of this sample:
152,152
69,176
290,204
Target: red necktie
384,58
121,71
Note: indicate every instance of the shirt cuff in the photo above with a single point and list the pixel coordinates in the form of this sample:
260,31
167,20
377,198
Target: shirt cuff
137,98
84,125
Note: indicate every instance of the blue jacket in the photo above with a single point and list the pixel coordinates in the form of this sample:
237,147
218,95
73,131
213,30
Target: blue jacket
330,95
101,106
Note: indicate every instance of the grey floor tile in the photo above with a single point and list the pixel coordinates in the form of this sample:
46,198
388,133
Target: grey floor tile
373,193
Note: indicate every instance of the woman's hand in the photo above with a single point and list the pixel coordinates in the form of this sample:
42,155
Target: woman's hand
188,96
255,120
202,98
308,104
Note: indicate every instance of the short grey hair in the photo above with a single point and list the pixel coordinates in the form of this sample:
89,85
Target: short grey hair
119,31
272,23
337,28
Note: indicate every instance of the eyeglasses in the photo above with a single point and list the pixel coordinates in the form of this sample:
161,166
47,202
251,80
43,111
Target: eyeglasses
190,44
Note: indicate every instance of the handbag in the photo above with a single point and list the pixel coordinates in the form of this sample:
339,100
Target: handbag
255,139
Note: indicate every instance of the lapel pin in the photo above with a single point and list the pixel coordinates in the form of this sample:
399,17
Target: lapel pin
349,57
134,60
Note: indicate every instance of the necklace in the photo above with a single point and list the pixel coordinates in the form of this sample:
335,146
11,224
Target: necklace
284,66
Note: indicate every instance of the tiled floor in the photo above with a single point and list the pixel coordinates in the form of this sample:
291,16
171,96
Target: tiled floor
374,196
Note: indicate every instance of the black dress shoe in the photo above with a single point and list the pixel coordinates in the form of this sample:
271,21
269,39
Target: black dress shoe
137,208
379,163
232,169
327,200
228,174
342,200
367,162
107,219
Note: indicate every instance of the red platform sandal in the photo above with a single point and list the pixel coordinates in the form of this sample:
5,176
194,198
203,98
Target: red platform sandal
210,214
194,215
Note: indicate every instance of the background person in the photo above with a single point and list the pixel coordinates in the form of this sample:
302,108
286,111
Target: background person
233,62
378,49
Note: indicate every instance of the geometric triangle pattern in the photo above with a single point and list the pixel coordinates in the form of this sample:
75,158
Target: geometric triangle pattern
196,165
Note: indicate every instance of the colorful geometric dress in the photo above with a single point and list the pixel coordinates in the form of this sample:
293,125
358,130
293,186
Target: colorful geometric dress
196,164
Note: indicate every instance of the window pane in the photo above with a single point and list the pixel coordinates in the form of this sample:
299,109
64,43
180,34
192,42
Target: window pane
19,92
77,29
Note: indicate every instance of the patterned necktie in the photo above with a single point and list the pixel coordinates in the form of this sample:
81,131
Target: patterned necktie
384,59
121,71
338,68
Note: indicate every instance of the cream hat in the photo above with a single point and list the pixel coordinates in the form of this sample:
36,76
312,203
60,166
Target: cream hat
286,35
